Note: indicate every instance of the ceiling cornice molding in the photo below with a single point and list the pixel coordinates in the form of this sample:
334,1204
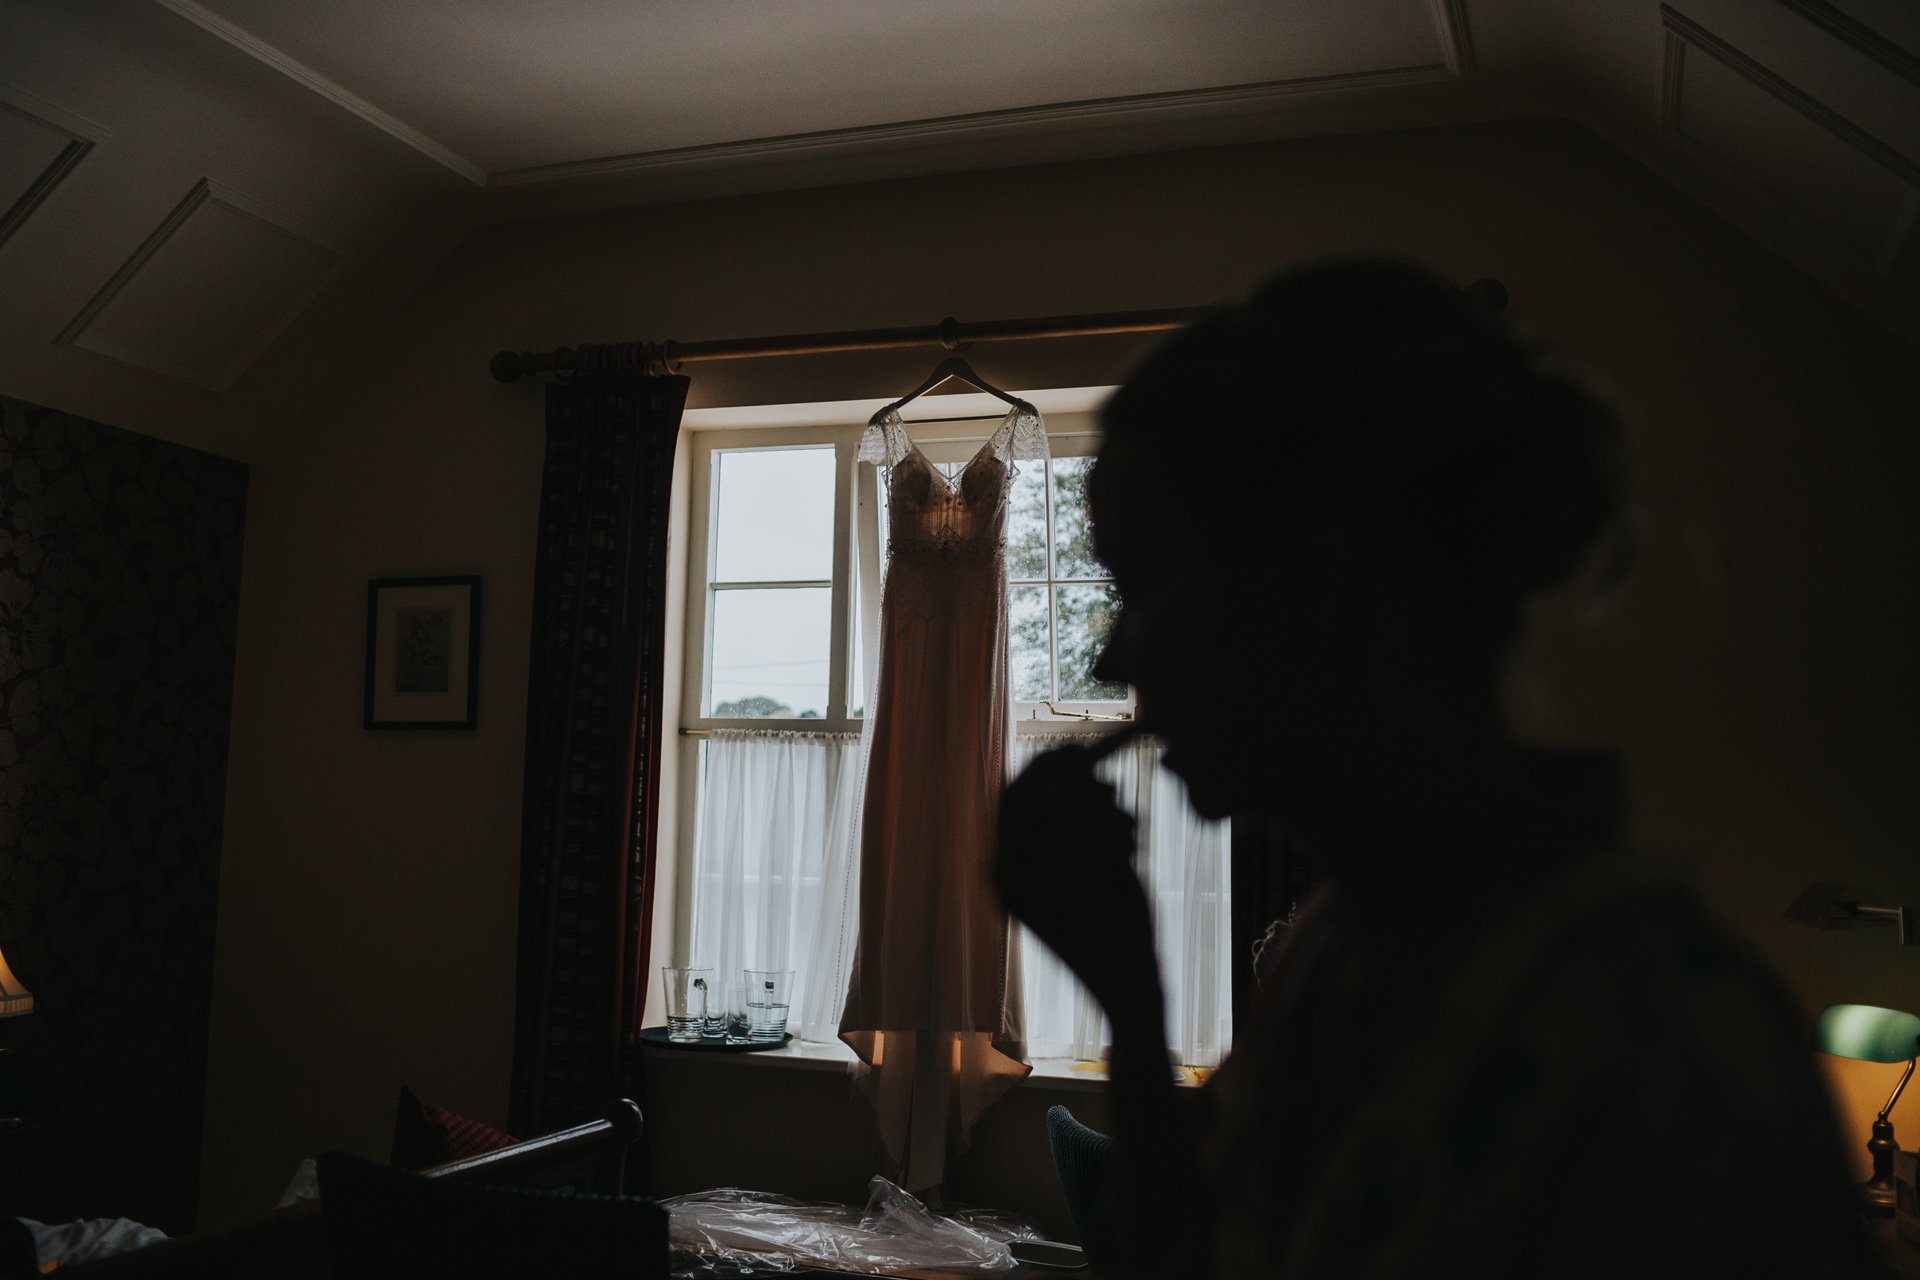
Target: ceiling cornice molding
301,73
1129,109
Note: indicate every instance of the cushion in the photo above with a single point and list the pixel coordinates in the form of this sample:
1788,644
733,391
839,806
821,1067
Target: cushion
425,1135
381,1222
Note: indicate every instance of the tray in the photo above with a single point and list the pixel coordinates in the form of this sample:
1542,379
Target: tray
658,1035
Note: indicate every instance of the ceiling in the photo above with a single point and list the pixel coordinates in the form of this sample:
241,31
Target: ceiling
207,205
513,89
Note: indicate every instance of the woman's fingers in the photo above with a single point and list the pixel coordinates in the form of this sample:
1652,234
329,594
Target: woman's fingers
1057,788
1065,853
1058,813
1059,763
1064,867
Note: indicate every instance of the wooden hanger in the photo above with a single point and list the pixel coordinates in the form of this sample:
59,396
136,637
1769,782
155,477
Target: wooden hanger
953,367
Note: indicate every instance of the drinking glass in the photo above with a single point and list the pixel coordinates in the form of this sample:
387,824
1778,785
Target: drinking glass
738,1027
769,991
689,995
714,1025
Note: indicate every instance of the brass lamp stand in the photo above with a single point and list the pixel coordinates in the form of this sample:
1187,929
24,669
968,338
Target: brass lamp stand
1878,1191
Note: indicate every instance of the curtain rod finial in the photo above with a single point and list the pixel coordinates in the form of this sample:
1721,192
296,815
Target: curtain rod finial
506,366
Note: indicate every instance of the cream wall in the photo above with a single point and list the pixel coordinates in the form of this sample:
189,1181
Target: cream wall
1758,671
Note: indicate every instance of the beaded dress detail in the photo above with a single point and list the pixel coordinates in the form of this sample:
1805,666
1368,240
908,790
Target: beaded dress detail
933,1004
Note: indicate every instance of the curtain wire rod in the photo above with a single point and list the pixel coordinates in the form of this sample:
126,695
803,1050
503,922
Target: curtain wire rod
510,366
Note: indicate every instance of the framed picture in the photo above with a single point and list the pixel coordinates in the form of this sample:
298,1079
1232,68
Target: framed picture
423,653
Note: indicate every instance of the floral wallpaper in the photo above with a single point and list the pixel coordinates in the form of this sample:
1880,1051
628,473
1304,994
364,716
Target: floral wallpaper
119,589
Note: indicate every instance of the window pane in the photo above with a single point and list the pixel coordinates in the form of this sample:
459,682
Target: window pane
1027,659
770,652
857,660
1086,616
775,516
1027,523
1072,533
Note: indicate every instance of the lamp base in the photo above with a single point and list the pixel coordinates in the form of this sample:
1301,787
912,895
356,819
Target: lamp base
1876,1201
1877,1195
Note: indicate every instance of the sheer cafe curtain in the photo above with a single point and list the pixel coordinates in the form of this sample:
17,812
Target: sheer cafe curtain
775,808
1184,861
774,886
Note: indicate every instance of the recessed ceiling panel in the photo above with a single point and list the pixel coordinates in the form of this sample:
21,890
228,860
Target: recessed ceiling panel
1854,196
512,84
35,154
1842,67
208,290
27,148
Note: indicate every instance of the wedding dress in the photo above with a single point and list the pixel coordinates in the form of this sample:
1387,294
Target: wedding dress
933,1004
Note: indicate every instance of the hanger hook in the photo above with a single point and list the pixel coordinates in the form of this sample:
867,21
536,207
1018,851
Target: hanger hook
954,367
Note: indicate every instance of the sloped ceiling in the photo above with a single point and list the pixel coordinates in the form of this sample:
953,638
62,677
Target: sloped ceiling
205,205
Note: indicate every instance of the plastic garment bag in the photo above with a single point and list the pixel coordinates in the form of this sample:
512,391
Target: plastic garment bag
895,1232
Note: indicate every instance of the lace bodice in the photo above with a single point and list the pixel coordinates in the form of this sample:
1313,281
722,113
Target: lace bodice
1021,436
964,516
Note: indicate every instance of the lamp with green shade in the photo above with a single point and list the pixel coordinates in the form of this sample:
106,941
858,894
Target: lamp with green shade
1870,1034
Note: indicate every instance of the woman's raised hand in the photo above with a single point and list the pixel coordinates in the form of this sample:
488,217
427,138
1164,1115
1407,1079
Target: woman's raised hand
1064,866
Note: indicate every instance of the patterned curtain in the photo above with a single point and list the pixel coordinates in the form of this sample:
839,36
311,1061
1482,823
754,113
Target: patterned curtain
119,595
593,746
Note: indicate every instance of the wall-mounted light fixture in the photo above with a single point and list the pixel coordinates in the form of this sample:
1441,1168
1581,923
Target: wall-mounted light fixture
1839,906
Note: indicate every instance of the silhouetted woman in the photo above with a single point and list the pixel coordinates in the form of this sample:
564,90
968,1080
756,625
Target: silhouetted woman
1495,1044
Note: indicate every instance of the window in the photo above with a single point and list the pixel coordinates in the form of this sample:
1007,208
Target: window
772,643
786,557
770,633
771,587
1062,601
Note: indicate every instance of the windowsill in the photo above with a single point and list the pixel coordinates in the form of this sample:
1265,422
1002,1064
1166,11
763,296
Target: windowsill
808,1055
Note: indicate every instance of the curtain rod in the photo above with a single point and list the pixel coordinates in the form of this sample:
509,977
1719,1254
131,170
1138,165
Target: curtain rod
510,366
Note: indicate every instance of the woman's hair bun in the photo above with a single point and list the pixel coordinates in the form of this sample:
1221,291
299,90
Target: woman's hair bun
1490,475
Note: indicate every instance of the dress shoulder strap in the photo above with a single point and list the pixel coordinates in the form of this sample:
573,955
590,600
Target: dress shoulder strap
885,439
1022,437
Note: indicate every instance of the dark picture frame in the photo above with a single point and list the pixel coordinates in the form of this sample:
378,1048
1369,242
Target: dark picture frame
423,653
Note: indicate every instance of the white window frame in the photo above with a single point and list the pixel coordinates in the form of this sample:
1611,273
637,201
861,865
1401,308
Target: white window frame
1046,711
702,553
